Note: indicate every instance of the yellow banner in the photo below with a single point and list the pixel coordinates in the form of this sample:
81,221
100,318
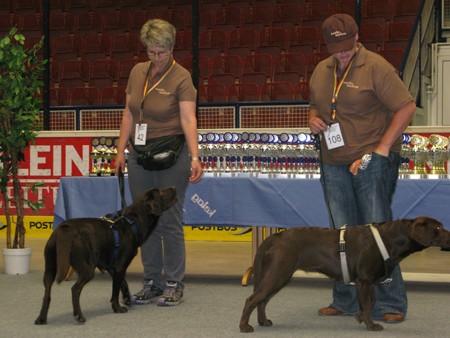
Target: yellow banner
41,227
35,226
218,233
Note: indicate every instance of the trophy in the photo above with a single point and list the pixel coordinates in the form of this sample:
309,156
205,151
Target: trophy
103,152
419,154
438,154
95,155
405,153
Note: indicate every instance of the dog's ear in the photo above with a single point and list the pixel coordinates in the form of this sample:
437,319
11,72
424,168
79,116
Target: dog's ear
168,197
161,200
424,230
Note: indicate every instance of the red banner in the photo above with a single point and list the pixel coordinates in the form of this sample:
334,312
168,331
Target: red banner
52,156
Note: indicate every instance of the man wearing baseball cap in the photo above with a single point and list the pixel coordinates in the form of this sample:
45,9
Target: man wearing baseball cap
360,107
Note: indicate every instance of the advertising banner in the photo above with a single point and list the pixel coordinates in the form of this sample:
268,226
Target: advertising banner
59,154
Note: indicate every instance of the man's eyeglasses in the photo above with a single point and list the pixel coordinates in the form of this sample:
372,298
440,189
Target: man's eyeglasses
158,54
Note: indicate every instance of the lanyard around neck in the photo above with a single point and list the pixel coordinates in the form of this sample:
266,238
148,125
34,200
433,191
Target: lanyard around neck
337,86
147,90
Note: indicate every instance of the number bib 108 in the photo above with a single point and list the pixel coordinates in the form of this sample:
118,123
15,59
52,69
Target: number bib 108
333,136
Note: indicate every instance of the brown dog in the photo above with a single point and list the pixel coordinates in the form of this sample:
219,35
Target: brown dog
87,243
317,250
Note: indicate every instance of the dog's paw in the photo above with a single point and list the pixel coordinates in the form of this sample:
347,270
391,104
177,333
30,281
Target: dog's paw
119,309
122,309
80,319
40,321
246,328
374,327
127,301
265,322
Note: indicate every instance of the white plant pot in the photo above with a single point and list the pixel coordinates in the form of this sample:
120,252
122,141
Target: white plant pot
17,261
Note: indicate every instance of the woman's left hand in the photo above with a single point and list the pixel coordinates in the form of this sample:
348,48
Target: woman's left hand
196,172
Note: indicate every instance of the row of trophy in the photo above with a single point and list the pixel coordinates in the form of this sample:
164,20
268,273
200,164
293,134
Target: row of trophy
423,155
263,153
285,153
104,151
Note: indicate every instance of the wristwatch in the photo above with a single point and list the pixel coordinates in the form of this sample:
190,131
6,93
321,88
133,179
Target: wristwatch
365,160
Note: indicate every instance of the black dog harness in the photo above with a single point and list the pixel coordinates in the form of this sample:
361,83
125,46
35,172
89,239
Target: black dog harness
113,220
388,265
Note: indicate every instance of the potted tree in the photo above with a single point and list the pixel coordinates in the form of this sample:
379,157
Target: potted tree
20,84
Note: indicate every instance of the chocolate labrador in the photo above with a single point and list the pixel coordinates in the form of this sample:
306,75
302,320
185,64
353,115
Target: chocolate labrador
317,250
109,244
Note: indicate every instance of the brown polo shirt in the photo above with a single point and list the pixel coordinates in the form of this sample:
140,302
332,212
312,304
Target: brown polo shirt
161,110
370,95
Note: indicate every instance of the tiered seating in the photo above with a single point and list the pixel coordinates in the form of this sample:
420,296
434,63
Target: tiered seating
245,44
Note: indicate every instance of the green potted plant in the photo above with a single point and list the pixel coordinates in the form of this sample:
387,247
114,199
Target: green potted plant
20,84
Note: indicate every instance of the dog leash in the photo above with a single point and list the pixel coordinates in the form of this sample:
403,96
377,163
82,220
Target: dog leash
122,190
316,137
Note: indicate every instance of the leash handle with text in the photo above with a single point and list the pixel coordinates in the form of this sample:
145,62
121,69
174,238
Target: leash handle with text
122,189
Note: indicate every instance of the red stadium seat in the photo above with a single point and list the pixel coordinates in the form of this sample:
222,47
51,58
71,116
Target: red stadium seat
394,56
59,96
272,50
372,32
115,22
258,13
290,12
258,78
227,64
84,24
124,46
96,47
216,92
84,96
291,62
292,77
258,63
274,37
305,35
227,79
30,24
243,37
61,23
244,92
66,47
104,73
204,65
213,39
113,96
318,10
301,91
229,15
277,91
74,73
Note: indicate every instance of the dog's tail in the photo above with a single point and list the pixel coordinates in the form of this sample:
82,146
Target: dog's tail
63,249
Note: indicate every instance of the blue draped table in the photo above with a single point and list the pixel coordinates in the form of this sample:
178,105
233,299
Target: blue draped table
249,201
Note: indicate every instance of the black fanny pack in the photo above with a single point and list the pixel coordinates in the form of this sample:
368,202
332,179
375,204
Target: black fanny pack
159,153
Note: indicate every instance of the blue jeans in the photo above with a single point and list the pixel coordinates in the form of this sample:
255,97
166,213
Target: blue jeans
361,199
